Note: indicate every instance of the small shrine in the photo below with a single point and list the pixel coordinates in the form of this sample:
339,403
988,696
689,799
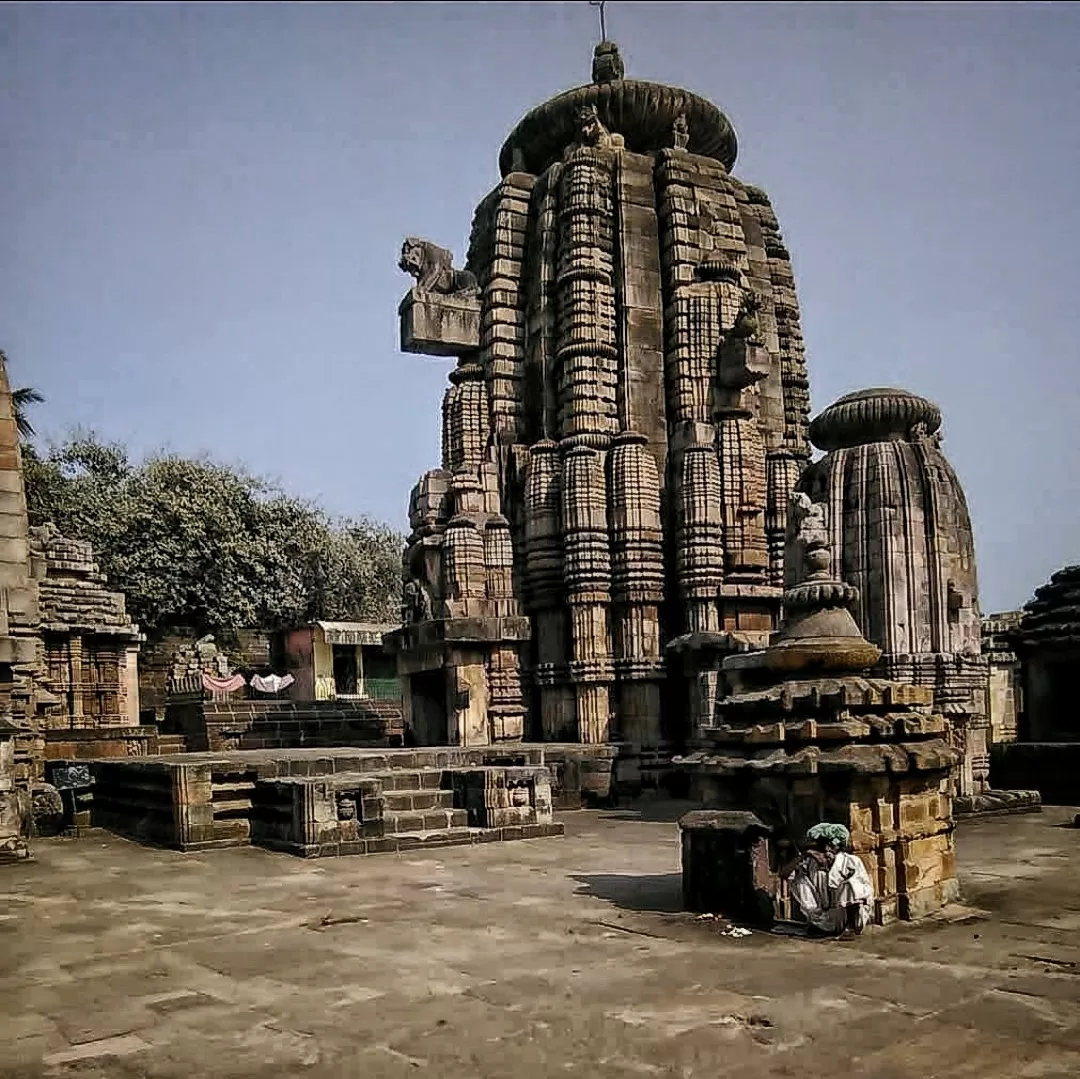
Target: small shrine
806,735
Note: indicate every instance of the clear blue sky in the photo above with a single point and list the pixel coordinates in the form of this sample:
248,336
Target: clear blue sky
203,206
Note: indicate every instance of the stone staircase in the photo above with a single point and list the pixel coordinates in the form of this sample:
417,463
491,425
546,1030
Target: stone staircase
417,803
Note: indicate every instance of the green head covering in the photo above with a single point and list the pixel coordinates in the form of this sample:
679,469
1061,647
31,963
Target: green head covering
836,836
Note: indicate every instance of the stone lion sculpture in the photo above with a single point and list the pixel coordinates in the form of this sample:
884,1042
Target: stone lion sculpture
433,268
591,127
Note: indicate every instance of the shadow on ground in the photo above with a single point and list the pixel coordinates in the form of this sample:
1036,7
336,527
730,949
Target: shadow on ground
656,810
660,893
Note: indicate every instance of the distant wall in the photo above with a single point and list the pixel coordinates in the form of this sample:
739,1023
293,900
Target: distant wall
1051,768
282,724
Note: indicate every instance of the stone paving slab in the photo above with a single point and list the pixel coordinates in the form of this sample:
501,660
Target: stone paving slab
560,957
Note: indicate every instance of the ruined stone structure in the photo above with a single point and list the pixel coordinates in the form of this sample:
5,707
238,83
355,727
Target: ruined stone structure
1046,647
622,431
1047,643
90,654
24,700
1006,694
806,735
902,536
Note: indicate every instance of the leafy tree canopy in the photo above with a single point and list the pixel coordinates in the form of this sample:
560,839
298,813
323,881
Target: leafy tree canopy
199,545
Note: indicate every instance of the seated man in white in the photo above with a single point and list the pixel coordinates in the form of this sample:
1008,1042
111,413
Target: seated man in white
831,884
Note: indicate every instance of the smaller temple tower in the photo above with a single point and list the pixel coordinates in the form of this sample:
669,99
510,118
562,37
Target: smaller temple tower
1047,643
807,734
901,534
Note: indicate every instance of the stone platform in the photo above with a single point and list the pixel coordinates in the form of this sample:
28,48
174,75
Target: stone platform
335,801
525,959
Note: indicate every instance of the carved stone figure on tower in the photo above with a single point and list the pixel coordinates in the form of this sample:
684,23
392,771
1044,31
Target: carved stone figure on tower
592,131
680,132
433,268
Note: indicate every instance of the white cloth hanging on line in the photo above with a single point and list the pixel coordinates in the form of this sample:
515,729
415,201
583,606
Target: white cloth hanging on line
271,683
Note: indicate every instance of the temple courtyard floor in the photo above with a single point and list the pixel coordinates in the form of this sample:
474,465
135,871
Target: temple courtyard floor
552,957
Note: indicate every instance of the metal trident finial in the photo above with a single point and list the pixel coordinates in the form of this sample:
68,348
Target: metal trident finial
600,5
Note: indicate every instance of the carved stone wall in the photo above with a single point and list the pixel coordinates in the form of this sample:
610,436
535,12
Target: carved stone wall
1006,693
633,405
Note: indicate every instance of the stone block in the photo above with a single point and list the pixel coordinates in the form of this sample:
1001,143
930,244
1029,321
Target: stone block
725,866
437,325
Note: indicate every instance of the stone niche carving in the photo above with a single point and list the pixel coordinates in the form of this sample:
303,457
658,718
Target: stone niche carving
441,315
630,411
901,534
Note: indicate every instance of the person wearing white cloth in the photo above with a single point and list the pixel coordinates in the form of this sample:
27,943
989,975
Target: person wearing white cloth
831,884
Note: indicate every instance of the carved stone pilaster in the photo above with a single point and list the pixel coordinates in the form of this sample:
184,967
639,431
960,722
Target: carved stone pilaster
699,550
637,587
464,572
587,354
588,586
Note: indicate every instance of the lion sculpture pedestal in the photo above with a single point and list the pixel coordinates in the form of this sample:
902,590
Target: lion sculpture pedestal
441,315
434,324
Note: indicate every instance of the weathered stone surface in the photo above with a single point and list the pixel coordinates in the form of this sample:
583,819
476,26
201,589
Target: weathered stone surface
439,325
338,800
445,957
725,866
1005,694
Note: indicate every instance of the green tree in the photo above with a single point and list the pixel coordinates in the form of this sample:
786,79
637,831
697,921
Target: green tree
21,399
201,545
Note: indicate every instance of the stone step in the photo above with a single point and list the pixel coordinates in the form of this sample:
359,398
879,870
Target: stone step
434,820
409,779
408,801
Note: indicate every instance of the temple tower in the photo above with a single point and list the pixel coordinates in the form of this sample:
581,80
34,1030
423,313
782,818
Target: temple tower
630,397
902,536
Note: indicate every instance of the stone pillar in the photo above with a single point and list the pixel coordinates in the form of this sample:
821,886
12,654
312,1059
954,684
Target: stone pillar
467,701
742,497
782,470
497,252
541,377
699,550
507,707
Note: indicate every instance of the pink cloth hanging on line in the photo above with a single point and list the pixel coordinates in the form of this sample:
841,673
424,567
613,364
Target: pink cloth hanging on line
222,686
